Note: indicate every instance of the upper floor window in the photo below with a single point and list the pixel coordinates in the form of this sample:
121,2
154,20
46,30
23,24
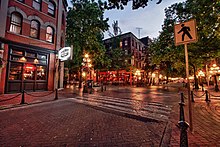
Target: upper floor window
35,28
16,23
50,34
21,1
126,42
37,4
51,8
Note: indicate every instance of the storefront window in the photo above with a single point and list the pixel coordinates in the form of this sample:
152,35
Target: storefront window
15,71
29,72
41,72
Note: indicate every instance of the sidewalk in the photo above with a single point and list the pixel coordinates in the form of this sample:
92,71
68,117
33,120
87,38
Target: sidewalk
206,122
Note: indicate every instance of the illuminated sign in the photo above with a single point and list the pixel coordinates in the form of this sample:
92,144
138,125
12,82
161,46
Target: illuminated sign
65,53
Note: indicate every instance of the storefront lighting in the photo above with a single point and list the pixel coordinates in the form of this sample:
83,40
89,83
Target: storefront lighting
36,61
23,59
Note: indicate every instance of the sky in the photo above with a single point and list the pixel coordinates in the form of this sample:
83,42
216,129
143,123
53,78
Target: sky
149,19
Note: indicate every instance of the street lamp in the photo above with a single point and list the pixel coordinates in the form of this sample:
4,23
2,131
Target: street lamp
215,70
86,64
201,74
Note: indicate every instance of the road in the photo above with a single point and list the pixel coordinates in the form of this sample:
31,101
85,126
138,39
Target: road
121,117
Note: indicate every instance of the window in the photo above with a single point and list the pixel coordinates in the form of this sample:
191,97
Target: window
21,1
16,23
51,8
15,72
126,42
41,72
37,4
29,71
50,34
35,27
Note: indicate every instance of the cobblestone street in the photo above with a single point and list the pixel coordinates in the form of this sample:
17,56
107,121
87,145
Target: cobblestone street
65,123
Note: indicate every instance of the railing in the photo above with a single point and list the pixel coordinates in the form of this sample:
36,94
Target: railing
22,101
208,96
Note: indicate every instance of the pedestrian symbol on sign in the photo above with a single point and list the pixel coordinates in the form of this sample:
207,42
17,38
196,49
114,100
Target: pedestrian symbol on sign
185,31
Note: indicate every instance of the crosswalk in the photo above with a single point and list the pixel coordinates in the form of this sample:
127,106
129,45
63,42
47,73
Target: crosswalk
151,111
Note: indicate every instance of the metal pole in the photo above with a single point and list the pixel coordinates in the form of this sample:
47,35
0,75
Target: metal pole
192,96
188,87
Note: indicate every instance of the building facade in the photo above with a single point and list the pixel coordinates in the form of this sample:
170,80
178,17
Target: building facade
32,31
136,48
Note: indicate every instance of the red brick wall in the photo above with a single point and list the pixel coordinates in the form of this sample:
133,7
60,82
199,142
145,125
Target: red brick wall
3,77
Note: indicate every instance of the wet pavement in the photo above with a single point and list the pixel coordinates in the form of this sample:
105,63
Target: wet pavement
120,116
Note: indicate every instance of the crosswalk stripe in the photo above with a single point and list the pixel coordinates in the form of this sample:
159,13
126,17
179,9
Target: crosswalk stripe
153,110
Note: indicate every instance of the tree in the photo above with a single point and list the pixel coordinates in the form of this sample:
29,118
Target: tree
207,17
119,4
85,27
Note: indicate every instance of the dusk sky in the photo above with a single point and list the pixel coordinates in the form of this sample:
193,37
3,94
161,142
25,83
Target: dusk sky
149,19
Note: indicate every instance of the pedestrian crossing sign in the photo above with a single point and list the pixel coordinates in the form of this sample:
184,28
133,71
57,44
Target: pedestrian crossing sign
185,32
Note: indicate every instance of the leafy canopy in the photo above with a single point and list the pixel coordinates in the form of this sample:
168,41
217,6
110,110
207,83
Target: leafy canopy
85,27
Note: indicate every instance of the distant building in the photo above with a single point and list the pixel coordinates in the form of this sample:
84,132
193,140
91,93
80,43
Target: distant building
131,45
31,33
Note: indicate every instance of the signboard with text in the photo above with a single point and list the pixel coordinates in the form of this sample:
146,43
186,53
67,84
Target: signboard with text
185,32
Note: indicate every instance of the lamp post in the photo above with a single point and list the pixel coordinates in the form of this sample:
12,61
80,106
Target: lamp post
215,70
200,75
86,64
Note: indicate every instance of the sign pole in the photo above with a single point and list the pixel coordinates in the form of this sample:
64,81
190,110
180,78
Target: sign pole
188,87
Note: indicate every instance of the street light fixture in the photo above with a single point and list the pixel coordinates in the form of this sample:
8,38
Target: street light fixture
215,70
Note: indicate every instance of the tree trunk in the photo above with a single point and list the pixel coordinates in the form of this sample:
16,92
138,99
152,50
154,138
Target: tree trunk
196,79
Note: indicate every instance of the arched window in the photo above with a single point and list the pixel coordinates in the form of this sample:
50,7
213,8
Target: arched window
50,34
37,4
35,29
51,8
16,23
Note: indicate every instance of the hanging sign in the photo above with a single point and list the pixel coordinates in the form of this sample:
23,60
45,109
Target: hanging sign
65,53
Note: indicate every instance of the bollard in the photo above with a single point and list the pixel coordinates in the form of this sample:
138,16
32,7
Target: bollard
105,87
102,88
183,125
56,95
182,118
192,96
182,98
183,133
206,96
22,98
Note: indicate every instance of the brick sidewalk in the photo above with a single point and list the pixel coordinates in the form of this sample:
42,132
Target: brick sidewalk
206,124
13,100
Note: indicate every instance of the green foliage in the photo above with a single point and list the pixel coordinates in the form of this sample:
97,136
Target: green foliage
85,27
119,4
206,14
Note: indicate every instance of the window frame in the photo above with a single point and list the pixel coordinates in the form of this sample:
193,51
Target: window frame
53,10
22,1
38,29
38,2
51,34
15,23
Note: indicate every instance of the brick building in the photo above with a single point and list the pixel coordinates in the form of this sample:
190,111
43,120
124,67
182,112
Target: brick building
131,45
31,33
